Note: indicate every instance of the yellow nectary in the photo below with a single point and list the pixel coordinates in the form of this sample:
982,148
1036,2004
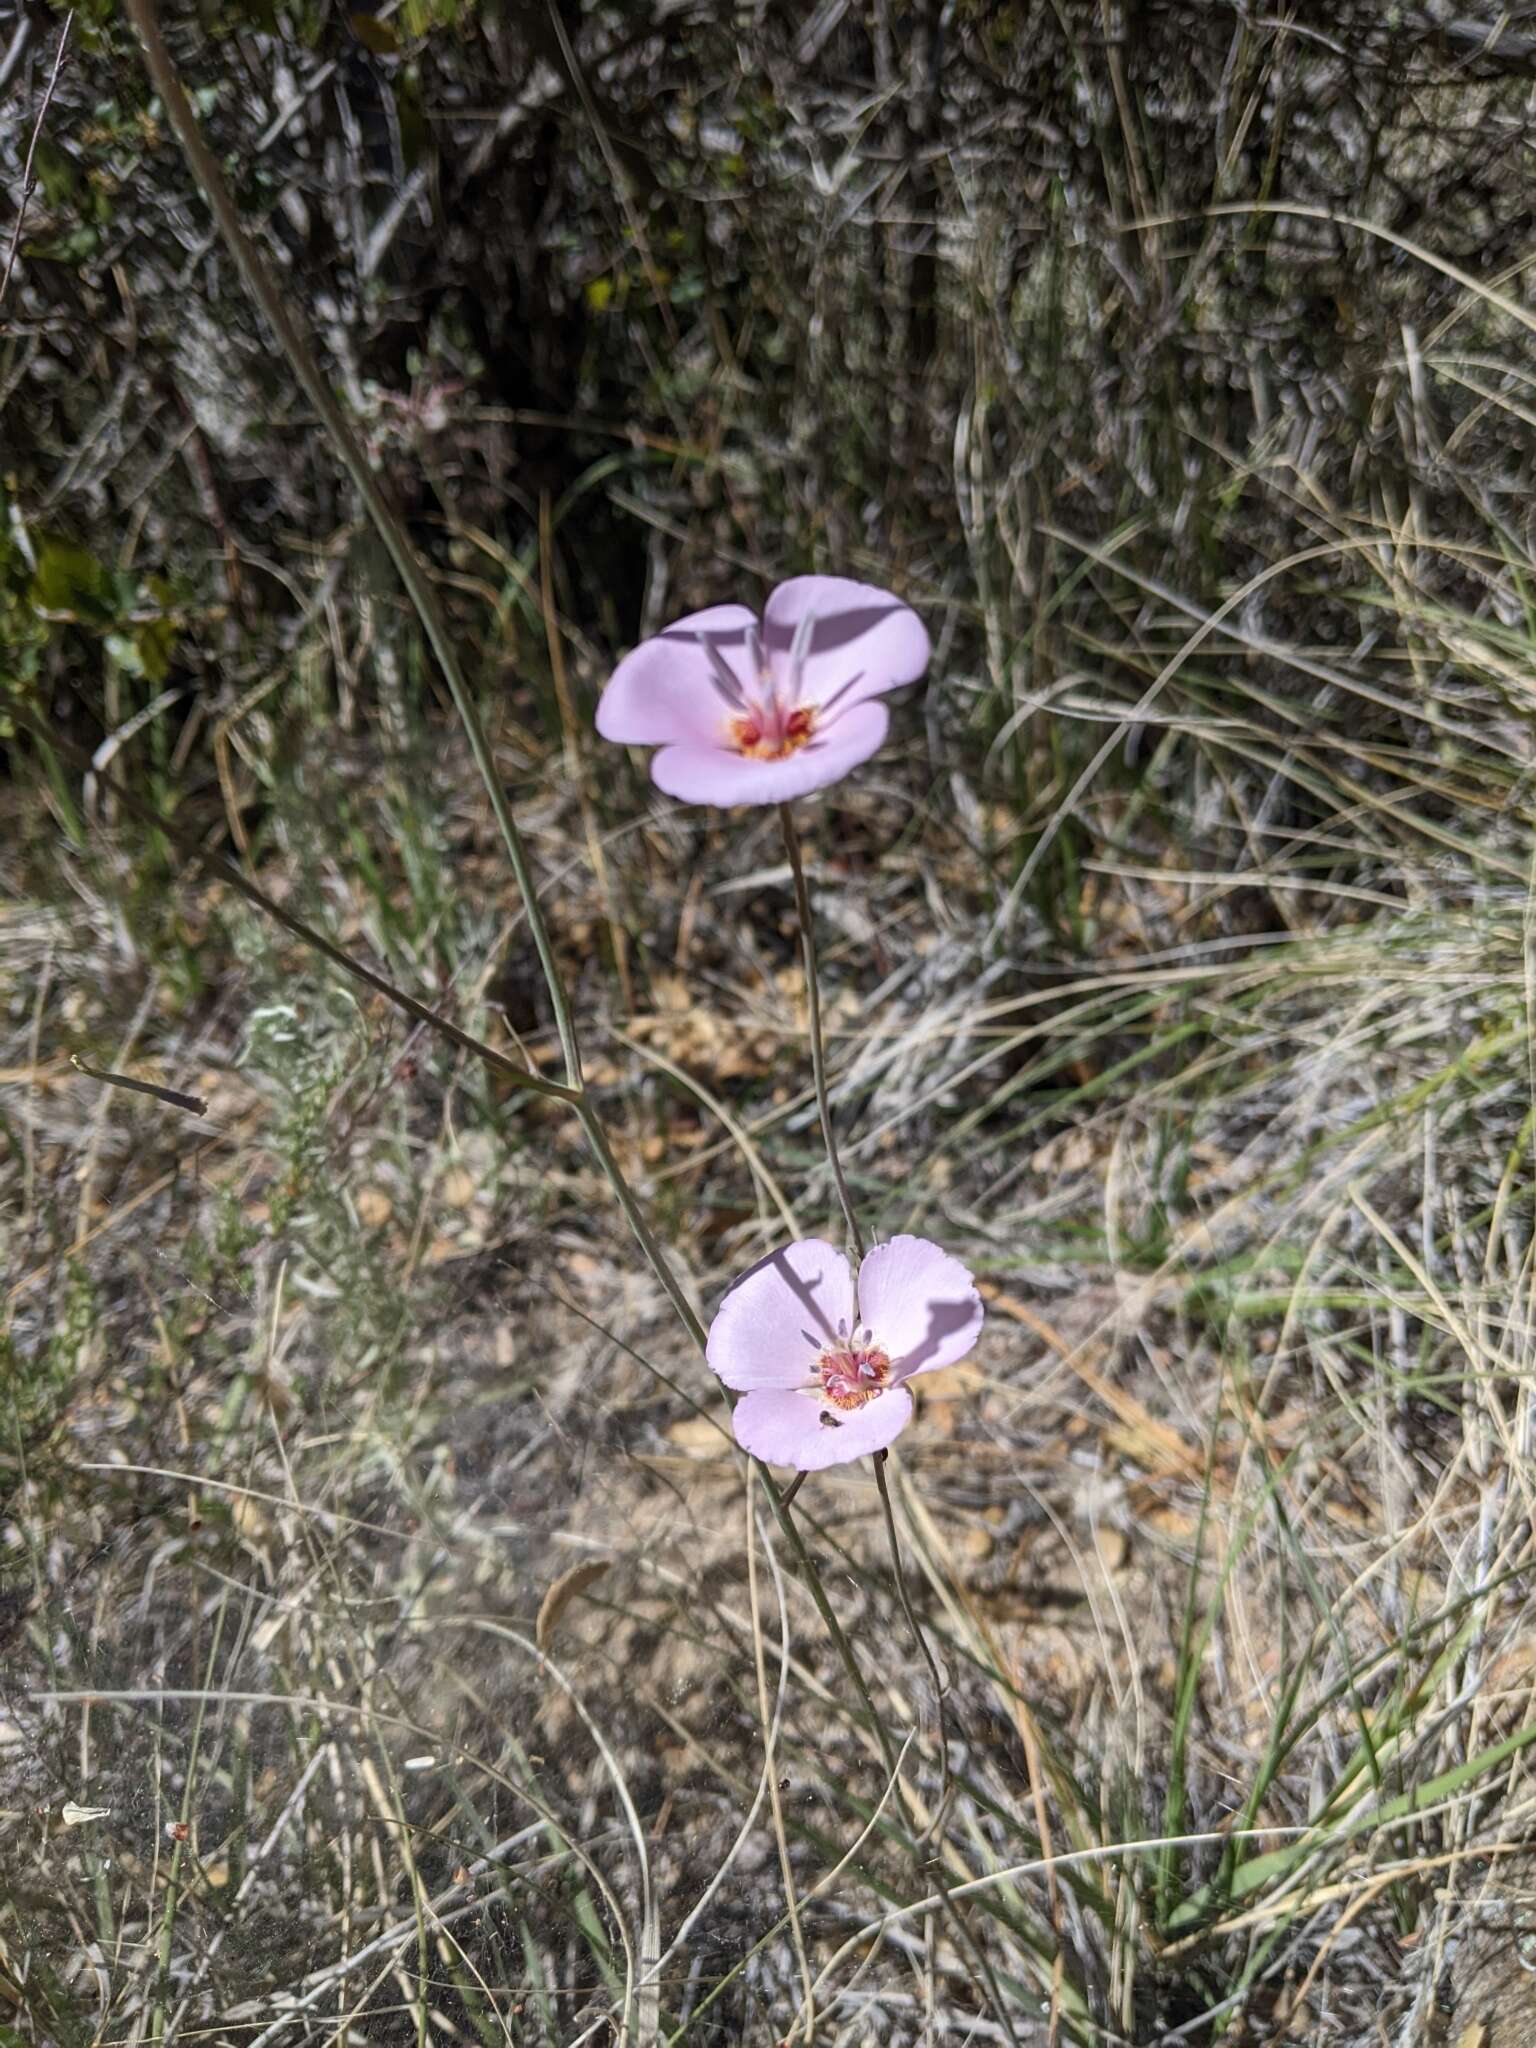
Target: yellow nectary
771,735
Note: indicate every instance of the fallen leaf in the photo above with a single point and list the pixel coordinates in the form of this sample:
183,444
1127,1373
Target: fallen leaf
568,1587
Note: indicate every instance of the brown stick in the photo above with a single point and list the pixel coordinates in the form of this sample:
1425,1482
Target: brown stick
28,182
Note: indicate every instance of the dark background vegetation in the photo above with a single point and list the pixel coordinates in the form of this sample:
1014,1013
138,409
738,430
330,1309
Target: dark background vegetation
741,292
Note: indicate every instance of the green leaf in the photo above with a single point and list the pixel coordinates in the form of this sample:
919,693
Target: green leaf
70,579
154,641
57,173
374,35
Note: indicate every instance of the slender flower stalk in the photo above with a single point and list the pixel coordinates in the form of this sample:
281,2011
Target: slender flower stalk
813,1006
899,1572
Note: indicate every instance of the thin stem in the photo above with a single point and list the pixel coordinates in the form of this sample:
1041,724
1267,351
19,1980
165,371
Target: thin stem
813,1003
936,1821
832,1625
918,1636
28,182
624,1194
264,290
770,1721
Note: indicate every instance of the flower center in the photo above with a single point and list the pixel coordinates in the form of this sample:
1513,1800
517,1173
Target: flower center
852,1373
772,734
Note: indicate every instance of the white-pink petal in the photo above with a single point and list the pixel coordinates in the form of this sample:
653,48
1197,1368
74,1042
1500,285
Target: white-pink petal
863,640
920,1304
718,775
669,690
771,1327
794,1430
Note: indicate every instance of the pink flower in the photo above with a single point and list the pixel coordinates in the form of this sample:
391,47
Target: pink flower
749,714
824,1377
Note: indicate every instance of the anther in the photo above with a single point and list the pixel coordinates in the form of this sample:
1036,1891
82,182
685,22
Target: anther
724,679
799,647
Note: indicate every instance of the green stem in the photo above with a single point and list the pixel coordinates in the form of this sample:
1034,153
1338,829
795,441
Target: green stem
264,290
813,1003
624,1194
916,1628
831,1623
936,1821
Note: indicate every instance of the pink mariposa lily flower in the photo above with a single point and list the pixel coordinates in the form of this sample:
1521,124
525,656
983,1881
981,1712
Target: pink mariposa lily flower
823,1375
743,713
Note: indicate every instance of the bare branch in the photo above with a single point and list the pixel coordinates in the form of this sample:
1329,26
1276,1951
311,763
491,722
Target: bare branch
27,180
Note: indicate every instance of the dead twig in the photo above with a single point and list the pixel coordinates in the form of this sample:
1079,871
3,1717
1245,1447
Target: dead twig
173,1096
28,182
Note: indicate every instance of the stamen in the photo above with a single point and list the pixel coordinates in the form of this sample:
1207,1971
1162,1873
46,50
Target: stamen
830,704
724,678
799,647
853,1374
755,654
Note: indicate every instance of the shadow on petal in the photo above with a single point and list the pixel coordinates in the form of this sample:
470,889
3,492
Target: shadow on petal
733,636
946,1319
834,630
803,1290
